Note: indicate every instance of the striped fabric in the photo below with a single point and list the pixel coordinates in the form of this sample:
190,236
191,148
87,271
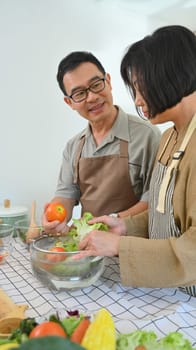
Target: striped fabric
162,225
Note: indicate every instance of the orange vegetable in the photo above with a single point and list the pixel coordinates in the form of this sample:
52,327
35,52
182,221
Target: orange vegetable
56,211
47,328
80,330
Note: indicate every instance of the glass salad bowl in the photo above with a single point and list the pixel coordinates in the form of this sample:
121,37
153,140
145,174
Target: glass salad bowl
57,269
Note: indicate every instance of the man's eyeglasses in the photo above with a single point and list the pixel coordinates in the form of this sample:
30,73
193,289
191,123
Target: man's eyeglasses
81,95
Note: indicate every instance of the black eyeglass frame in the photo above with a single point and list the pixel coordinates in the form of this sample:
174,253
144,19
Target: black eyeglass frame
89,88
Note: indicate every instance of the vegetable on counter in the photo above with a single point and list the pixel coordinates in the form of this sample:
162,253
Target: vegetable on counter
71,322
80,332
146,340
47,328
21,334
49,343
9,346
31,333
175,340
101,334
132,340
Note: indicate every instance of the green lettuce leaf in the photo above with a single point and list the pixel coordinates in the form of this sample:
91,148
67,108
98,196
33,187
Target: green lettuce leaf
131,340
81,227
78,231
70,323
175,340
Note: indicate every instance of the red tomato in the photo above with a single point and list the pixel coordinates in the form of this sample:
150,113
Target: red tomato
56,211
47,328
56,257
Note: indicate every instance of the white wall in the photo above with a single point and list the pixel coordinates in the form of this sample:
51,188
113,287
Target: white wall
34,36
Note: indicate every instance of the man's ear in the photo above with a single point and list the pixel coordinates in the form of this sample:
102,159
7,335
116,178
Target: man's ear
108,79
68,101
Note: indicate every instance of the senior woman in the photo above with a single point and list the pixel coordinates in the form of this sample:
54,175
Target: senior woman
157,248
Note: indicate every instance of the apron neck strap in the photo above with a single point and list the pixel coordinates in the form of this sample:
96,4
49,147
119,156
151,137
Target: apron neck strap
78,155
174,164
123,148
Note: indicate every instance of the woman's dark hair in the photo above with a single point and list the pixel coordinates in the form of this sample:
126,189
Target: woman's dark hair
72,61
165,67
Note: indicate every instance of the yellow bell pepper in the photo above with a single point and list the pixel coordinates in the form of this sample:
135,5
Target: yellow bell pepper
101,334
8,346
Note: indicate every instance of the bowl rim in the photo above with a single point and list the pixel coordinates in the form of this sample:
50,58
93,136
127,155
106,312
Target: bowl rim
48,251
33,244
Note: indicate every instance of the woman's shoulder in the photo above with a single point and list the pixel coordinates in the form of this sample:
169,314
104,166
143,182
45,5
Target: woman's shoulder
165,134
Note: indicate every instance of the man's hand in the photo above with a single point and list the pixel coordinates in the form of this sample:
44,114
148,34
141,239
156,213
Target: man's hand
54,226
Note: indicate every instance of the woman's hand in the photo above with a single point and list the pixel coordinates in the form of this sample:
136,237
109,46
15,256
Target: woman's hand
102,243
99,243
116,225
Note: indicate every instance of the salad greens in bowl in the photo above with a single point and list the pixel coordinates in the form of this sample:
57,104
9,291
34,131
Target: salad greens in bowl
52,258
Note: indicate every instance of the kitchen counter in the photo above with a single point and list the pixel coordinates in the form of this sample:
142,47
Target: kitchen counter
161,310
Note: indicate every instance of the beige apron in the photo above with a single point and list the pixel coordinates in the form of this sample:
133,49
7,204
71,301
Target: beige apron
104,182
161,217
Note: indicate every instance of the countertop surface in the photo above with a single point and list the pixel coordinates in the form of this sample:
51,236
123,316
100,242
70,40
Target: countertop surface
160,310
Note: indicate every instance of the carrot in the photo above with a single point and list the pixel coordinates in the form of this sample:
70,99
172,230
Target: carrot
80,330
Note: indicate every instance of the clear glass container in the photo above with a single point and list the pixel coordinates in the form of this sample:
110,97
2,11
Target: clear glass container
6,240
58,270
25,233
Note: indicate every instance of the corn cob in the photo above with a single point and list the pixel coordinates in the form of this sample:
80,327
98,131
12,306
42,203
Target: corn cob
101,334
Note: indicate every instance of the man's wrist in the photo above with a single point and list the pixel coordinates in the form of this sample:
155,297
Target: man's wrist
114,215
